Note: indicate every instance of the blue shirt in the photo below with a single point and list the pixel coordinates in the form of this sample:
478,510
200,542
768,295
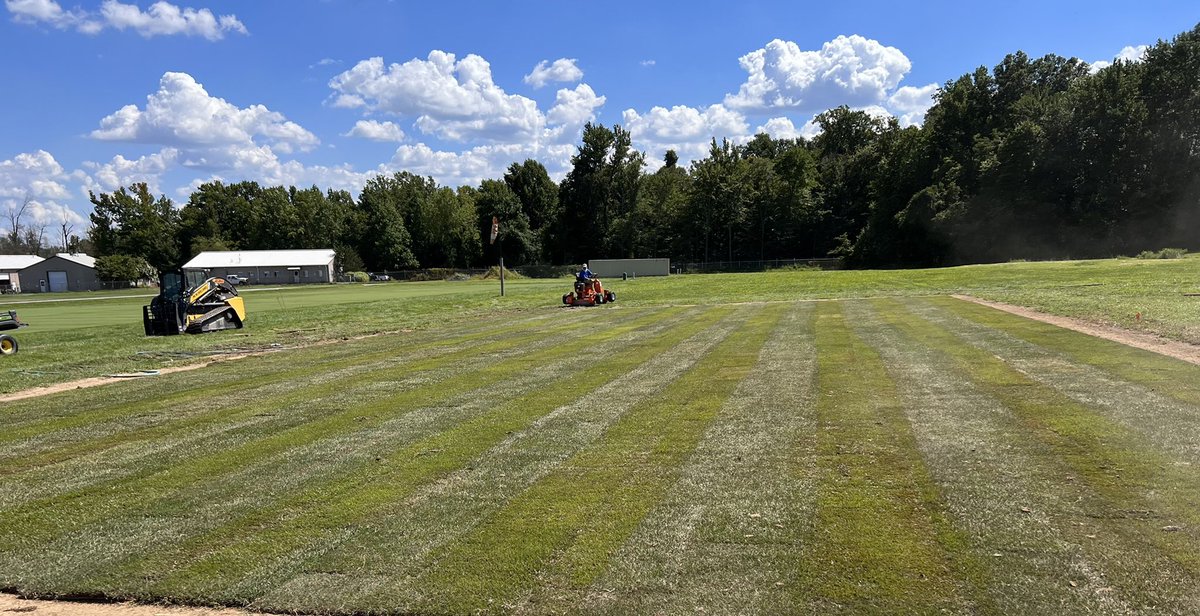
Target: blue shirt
584,274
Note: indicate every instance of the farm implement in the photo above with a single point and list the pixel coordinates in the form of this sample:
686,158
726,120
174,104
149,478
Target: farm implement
9,321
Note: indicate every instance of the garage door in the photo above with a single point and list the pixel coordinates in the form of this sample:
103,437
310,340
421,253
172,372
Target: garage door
58,281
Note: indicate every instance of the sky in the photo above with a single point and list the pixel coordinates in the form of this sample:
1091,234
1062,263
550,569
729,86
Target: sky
99,94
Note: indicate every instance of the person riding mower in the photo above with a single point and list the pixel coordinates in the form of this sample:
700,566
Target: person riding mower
589,291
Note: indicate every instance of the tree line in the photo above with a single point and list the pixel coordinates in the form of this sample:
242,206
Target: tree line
1032,159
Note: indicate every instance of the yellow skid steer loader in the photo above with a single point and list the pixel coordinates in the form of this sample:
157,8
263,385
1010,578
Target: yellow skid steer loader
193,306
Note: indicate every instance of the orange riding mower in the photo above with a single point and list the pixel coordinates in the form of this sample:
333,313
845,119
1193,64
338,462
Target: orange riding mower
589,292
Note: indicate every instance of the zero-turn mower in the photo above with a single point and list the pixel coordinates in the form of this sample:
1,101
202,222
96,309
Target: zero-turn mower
589,292
9,321
201,306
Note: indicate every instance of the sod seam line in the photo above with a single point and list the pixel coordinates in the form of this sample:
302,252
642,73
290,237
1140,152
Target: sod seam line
1122,473
990,475
277,405
634,457
441,511
616,332
879,517
196,469
721,539
343,500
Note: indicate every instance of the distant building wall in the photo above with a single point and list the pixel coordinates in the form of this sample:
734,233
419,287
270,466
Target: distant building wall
78,277
614,268
275,274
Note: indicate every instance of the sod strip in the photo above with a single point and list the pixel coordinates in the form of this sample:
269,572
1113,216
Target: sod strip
232,565
723,538
42,520
388,550
127,537
1007,493
1133,491
246,379
881,540
1165,375
391,544
180,439
308,361
1156,409
564,527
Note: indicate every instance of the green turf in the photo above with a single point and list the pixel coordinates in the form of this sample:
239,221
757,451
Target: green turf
702,446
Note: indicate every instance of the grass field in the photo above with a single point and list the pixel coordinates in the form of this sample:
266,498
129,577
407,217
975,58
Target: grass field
700,445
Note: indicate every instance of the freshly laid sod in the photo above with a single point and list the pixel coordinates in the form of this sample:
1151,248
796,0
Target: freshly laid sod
82,335
903,454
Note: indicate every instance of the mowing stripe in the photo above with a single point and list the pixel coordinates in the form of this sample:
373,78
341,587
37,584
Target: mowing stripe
1137,491
391,544
724,536
243,379
304,505
1159,410
1006,492
564,527
881,540
1164,375
222,561
309,359
219,428
29,525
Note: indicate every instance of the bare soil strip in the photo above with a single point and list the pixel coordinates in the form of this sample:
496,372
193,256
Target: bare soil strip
1149,342
12,604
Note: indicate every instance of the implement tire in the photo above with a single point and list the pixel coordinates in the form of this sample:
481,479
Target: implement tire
8,344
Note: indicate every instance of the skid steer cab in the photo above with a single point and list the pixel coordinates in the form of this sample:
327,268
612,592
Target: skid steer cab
8,322
193,304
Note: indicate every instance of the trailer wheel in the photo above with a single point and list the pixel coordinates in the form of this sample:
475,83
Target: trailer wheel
8,345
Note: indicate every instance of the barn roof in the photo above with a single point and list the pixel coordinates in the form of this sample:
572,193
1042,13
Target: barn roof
261,258
18,262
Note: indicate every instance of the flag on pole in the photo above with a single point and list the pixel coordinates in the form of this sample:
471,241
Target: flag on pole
495,229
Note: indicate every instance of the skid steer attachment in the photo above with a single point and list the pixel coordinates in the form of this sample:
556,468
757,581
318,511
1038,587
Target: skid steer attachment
193,307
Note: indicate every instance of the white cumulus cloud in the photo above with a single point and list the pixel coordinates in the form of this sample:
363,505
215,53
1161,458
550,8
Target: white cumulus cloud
562,70
687,130
783,128
120,171
37,182
474,165
161,19
457,100
909,104
183,114
572,109
1130,53
453,99
849,70
377,131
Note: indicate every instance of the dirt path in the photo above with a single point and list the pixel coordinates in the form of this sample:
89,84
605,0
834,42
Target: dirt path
1149,342
12,604
105,380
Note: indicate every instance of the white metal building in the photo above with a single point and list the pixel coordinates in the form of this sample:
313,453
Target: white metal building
10,281
62,272
267,266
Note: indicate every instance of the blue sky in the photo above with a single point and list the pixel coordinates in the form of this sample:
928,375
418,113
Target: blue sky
102,93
